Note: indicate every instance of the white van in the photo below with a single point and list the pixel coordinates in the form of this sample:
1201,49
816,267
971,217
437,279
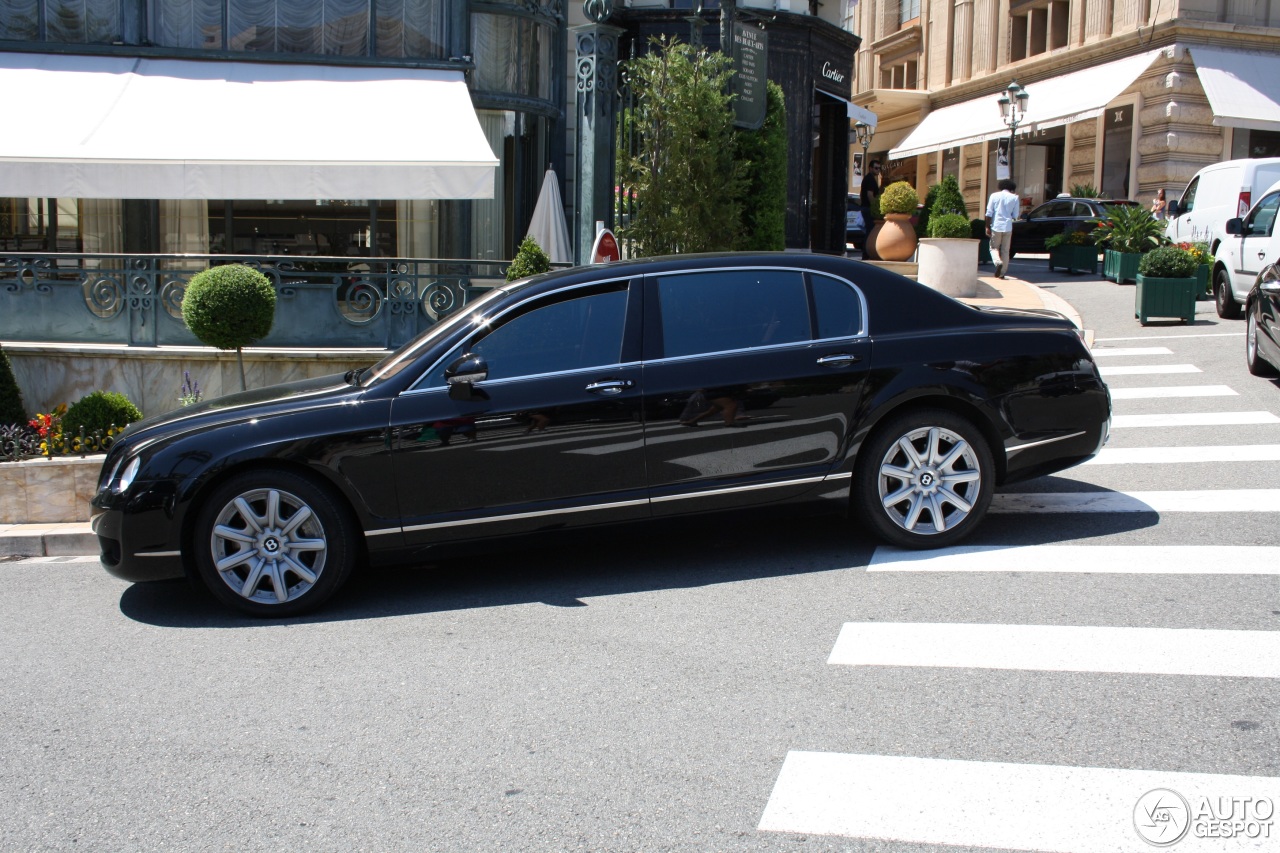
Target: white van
1217,193
1251,244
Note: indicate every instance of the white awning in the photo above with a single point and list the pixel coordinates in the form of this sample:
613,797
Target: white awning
1057,101
123,127
1243,86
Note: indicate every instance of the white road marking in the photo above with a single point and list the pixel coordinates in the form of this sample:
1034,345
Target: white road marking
994,804
1211,500
1173,337
1155,392
1147,369
1101,352
1061,648
1166,455
1193,419
1101,559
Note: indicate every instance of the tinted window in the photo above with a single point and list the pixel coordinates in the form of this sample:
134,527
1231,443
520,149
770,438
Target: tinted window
1188,202
839,309
733,309
567,331
1263,217
1057,209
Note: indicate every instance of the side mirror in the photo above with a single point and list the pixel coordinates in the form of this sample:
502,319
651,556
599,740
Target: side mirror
462,376
1235,226
1171,209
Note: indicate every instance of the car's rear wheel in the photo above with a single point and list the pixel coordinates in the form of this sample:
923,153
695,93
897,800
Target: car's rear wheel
924,479
1223,301
1257,365
273,543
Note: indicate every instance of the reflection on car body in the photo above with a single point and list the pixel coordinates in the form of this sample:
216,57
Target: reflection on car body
607,394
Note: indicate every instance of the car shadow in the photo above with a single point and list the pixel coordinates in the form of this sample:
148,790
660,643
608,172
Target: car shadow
567,569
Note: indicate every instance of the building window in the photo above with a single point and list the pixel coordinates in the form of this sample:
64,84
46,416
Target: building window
900,74
512,55
1117,145
68,21
1254,143
908,10
1038,27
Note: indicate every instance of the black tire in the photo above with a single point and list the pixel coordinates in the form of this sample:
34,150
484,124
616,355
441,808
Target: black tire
285,543
925,497
1223,301
1257,365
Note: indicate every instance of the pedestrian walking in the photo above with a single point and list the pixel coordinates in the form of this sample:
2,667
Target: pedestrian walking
1002,209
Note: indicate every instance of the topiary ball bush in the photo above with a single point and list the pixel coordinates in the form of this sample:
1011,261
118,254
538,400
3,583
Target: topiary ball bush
11,410
899,197
529,260
1168,262
100,411
230,306
951,225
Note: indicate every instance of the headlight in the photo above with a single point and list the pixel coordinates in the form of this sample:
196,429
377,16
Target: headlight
126,477
111,478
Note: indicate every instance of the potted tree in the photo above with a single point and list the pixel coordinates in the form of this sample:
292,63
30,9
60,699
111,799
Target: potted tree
230,307
1126,233
1166,285
948,257
896,240
1073,251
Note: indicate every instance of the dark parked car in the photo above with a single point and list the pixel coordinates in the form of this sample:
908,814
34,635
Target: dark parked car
1057,216
855,230
1262,334
602,394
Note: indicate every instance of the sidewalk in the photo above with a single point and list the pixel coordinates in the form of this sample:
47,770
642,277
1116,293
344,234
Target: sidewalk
76,540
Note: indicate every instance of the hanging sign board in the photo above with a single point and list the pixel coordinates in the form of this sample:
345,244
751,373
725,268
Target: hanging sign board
751,70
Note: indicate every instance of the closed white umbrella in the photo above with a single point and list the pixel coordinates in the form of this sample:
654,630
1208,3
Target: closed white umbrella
547,225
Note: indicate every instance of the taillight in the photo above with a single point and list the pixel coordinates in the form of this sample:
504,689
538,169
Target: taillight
1242,209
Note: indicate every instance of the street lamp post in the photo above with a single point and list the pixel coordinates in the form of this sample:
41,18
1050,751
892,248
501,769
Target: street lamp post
862,133
1013,110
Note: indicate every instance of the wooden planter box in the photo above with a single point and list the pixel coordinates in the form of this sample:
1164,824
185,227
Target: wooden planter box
1120,266
1202,279
1165,297
1074,259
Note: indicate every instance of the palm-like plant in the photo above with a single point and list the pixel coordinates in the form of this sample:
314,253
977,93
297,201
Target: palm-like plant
1129,228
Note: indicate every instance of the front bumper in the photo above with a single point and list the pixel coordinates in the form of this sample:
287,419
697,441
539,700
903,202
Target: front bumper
120,559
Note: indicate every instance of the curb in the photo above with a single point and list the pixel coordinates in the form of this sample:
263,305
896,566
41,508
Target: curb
48,540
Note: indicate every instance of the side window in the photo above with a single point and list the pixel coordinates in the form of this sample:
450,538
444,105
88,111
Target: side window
1263,217
1041,212
1188,202
731,310
838,307
566,331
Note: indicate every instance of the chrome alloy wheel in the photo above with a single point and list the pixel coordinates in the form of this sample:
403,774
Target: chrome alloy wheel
268,546
929,480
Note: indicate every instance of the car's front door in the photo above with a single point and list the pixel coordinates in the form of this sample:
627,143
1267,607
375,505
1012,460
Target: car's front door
751,377
551,436
1254,248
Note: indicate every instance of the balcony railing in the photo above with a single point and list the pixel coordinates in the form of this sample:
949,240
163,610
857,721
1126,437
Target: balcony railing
321,301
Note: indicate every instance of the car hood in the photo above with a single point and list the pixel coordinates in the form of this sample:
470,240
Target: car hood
245,405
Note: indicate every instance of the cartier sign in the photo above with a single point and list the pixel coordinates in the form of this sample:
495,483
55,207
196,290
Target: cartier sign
832,75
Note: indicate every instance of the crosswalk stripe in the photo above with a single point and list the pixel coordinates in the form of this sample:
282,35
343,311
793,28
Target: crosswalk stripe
1147,369
1148,392
1166,455
1001,805
1193,419
1105,352
1102,559
1211,500
1061,648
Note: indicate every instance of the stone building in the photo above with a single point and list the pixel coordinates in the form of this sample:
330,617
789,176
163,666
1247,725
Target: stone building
1127,96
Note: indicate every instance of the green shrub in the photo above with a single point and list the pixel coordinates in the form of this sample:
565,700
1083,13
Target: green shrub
529,260
943,197
1085,191
100,410
230,306
1168,262
763,156
951,225
899,197
11,411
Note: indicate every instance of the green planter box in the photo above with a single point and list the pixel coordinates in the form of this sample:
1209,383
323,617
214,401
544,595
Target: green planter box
1120,266
1202,279
1074,259
1164,297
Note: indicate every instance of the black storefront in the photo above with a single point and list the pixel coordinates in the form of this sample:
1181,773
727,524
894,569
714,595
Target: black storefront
812,61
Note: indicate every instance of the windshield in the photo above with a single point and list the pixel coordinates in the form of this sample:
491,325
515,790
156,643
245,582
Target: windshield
407,354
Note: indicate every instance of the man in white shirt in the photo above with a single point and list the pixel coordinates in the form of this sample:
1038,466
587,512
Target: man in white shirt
1002,208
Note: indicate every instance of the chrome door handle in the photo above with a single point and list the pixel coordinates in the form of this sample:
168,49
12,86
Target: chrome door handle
609,386
840,359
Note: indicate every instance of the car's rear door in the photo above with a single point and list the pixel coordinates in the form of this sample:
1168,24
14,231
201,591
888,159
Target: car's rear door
752,377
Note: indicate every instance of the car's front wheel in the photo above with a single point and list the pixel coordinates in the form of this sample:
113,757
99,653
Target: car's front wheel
924,479
1257,365
273,543
1223,300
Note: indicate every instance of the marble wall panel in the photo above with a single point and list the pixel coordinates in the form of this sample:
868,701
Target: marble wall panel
51,493
13,492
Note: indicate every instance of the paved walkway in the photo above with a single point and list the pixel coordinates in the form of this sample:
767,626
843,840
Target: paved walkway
66,540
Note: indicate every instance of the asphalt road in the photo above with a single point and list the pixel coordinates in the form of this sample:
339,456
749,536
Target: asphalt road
643,690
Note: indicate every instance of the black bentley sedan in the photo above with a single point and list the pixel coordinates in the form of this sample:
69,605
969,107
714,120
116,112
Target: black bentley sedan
606,394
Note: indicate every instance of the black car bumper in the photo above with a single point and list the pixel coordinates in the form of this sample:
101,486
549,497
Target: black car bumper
121,560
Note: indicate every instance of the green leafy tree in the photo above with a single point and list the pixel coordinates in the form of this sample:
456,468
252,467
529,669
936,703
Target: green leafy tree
230,307
943,197
11,410
762,155
684,173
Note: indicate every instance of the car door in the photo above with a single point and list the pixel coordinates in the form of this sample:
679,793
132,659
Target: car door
551,435
1044,221
1182,226
1253,249
751,378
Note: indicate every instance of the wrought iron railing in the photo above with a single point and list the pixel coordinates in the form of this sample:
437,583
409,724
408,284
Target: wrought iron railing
321,301
20,441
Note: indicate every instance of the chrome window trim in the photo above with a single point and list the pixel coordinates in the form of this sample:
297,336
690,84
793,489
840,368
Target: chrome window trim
497,383
157,554
566,289
1014,449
